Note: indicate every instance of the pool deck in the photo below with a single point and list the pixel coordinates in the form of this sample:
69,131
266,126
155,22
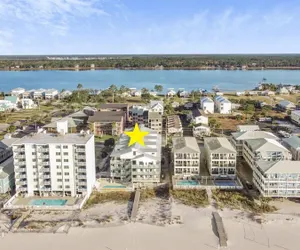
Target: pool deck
27,201
108,186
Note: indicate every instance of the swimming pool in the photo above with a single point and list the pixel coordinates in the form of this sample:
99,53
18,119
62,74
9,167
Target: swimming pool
48,202
188,183
223,183
114,186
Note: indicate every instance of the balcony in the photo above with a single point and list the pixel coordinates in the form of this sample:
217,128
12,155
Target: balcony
145,166
81,170
22,189
81,163
20,170
46,182
20,156
43,156
80,157
19,150
82,189
80,150
21,182
21,176
46,176
43,150
81,183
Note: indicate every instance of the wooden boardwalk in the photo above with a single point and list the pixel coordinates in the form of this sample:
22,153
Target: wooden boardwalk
135,205
220,229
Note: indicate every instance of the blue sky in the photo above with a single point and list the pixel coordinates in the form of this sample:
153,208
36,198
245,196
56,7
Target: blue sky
149,26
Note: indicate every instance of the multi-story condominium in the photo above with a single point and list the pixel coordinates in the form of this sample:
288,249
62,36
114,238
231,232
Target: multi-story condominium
139,114
174,126
107,123
27,103
51,94
155,121
286,105
139,165
17,91
293,144
223,106
38,93
245,128
55,164
7,176
116,107
238,138
295,117
264,150
277,178
186,156
207,105
64,94
220,157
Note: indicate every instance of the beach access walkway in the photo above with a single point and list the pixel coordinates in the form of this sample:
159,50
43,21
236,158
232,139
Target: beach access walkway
220,229
135,205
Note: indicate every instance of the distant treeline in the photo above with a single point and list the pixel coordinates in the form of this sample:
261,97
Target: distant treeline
153,62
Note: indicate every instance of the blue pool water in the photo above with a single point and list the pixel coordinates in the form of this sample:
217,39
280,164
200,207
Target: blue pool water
46,202
188,183
114,187
225,183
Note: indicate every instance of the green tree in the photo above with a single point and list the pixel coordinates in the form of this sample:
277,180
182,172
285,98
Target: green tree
158,88
79,86
12,129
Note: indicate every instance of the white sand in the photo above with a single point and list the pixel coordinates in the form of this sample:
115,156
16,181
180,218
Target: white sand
281,232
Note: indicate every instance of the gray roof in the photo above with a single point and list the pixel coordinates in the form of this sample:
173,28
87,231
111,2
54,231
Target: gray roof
206,99
9,141
185,145
253,135
106,116
53,124
113,105
45,138
219,145
281,167
293,141
248,127
78,114
265,145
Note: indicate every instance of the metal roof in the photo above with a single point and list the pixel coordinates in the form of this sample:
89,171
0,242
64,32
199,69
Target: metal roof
279,167
219,145
185,145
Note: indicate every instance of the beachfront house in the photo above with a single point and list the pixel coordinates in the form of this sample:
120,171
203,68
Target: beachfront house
188,105
201,130
295,117
13,99
139,165
17,92
264,149
183,94
38,94
293,144
27,103
222,105
240,93
107,123
64,94
175,104
156,106
277,178
155,121
186,156
282,91
238,138
51,94
6,105
171,93
286,105
174,126
207,105
153,93
57,123
220,157
55,164
201,119
245,128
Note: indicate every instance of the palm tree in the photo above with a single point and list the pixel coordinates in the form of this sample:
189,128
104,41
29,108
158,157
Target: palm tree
79,86
158,88
113,89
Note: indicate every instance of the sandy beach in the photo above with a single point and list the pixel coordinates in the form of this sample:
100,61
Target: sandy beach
279,231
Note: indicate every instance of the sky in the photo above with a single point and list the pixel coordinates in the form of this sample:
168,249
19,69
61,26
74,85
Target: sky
37,27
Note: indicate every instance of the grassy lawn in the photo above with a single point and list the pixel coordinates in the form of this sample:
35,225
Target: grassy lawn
97,198
194,197
237,200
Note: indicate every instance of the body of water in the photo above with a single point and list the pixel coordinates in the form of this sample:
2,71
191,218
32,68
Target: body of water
226,80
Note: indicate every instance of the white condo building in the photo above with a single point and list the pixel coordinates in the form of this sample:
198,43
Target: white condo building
220,157
17,91
55,164
186,156
223,106
139,114
277,178
139,165
207,105
238,138
264,150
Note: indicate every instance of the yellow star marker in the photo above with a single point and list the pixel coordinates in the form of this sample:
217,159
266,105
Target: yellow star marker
136,135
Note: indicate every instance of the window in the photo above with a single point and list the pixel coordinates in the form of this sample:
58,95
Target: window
33,153
58,167
58,153
35,179
67,186
58,160
66,167
59,186
67,180
59,180
33,146
58,173
58,147
65,147
66,160
67,173
66,153
34,160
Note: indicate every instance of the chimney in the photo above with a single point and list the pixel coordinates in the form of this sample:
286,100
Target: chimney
62,127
